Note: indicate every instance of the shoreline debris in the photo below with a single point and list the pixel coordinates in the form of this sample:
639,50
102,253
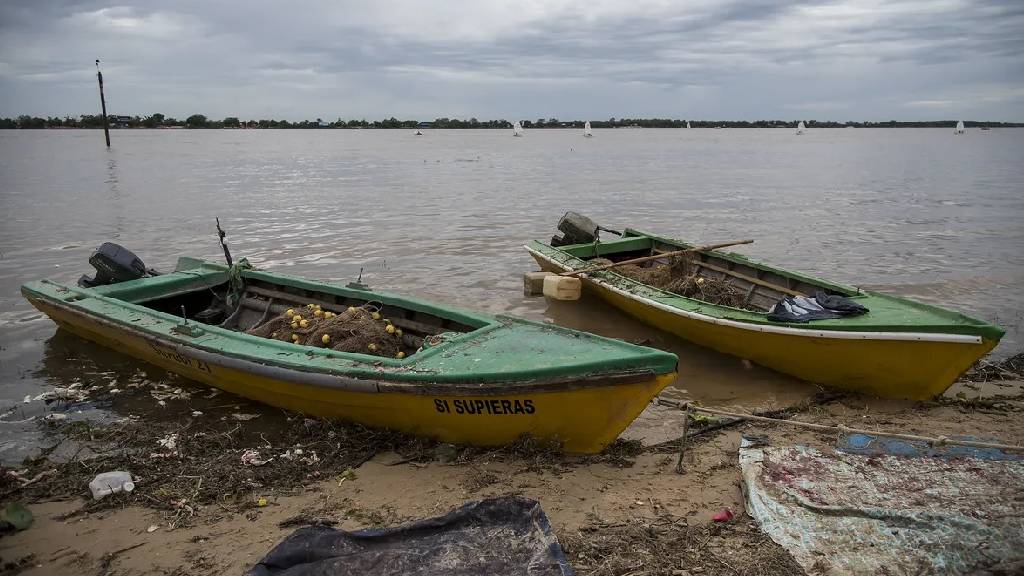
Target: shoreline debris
723,515
16,517
667,544
252,458
107,483
984,370
936,440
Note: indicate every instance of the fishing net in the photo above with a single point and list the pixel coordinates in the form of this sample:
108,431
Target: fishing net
360,330
681,276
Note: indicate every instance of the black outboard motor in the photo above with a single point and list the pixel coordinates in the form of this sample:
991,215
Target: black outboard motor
578,229
113,264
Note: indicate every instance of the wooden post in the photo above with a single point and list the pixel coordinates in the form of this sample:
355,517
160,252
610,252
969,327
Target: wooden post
103,103
680,469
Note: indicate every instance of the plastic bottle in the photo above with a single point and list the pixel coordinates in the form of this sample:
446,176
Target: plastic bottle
110,483
562,287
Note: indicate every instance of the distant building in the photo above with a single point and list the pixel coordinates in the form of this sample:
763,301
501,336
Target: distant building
425,125
122,121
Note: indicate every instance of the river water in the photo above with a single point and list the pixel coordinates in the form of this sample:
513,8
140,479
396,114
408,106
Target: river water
922,213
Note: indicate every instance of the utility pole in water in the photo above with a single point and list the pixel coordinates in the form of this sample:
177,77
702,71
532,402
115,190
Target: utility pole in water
103,103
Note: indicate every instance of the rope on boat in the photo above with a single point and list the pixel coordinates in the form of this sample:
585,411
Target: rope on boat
236,283
932,440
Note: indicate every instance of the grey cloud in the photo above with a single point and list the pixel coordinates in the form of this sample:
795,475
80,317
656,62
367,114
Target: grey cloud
742,59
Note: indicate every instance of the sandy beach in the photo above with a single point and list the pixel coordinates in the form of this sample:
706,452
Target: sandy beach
625,511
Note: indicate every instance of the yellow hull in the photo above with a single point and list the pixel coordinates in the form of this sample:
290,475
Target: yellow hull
584,419
911,369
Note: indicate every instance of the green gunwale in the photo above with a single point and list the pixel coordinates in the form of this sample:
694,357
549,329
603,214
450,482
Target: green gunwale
499,349
887,313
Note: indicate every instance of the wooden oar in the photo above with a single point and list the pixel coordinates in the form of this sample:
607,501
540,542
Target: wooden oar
655,257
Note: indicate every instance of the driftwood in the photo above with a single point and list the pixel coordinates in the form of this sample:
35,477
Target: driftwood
936,440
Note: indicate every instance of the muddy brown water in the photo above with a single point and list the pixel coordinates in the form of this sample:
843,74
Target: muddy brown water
921,213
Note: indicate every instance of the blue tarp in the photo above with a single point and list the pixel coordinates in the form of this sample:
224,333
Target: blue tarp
868,445
499,536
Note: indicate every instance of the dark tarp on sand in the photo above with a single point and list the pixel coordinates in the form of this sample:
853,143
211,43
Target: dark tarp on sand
499,536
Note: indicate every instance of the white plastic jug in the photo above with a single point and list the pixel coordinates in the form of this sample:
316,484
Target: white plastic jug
110,483
562,287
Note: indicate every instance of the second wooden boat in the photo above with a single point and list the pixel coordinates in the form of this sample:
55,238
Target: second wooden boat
900,348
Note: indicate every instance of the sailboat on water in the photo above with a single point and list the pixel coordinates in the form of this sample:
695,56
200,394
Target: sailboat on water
800,128
586,130
960,127
517,128
687,123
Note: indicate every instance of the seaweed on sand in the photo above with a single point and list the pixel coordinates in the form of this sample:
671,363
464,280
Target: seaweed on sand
667,544
181,465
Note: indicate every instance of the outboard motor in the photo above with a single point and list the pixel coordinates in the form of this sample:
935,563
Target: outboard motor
578,229
114,263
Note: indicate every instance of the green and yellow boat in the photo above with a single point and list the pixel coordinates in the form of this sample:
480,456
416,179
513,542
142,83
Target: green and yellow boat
475,379
900,348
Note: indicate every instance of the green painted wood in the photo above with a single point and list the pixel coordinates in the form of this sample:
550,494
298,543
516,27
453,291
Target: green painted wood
611,247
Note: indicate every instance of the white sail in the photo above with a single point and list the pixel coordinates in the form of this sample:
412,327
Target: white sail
517,129
687,123
586,130
800,127
960,127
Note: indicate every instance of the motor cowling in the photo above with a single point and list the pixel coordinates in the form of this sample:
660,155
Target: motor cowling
114,263
576,228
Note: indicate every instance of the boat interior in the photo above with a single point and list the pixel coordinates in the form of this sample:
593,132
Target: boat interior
762,287
263,300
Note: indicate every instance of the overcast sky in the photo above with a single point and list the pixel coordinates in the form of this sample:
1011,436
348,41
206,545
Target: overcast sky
569,59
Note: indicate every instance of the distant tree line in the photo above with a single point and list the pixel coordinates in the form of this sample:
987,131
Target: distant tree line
201,121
